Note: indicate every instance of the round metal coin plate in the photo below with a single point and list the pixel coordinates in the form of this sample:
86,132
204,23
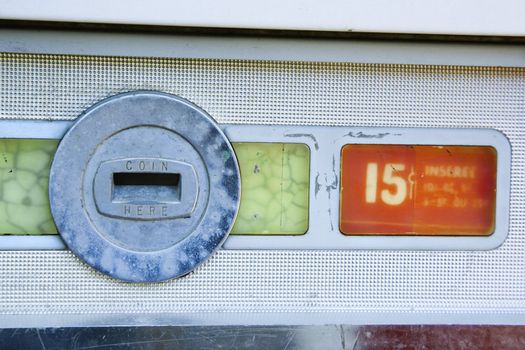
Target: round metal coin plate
144,187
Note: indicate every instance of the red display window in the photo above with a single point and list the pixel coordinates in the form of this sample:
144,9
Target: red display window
418,190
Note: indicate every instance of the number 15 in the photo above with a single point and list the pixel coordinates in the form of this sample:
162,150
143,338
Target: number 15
395,197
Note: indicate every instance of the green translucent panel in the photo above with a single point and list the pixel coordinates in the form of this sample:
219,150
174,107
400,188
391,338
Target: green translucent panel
24,175
275,180
274,199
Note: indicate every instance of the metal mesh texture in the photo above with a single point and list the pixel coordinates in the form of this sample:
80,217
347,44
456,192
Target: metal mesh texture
268,92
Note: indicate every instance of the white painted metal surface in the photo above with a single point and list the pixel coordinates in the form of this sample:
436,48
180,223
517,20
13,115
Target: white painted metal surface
53,288
451,17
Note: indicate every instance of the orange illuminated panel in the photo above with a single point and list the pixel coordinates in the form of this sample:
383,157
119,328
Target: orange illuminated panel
418,190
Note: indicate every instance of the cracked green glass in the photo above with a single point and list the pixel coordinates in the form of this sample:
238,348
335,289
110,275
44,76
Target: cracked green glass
24,176
275,181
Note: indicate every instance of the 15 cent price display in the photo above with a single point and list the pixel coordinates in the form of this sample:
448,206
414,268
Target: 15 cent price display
418,190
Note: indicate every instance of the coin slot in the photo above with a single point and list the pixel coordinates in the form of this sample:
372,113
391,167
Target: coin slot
146,187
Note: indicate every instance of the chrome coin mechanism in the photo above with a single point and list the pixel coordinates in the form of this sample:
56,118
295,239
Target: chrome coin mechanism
144,186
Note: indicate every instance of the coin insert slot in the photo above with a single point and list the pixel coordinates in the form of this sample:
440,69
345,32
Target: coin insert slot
146,187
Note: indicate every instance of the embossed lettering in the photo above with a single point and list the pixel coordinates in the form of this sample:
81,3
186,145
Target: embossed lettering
148,211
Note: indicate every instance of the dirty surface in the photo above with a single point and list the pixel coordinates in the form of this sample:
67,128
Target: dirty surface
268,337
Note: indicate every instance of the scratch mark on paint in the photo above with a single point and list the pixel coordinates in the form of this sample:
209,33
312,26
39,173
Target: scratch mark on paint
380,135
317,184
356,340
342,335
362,135
40,339
330,217
292,335
310,136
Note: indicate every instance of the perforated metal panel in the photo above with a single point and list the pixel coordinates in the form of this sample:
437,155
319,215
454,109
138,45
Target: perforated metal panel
326,283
